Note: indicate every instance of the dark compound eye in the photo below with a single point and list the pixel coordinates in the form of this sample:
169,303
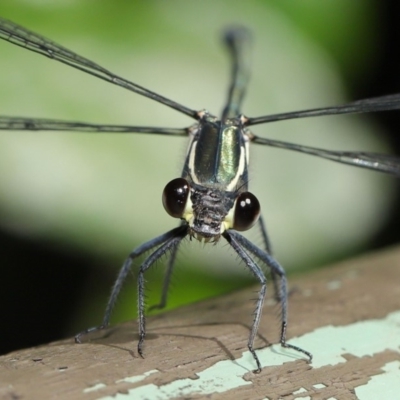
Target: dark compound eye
247,211
175,196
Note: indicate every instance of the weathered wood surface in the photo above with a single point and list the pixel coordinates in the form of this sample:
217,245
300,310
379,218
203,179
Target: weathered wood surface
199,351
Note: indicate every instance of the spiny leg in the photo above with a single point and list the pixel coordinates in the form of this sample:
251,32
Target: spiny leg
167,280
126,267
279,271
168,245
258,273
264,234
268,249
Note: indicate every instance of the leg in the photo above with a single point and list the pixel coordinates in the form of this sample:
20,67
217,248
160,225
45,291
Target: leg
264,234
169,245
126,267
245,244
268,249
258,273
167,281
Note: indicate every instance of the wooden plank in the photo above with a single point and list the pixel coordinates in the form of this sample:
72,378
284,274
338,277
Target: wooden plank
347,315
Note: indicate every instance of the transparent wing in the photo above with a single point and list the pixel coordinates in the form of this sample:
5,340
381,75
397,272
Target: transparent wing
22,37
374,161
40,124
383,103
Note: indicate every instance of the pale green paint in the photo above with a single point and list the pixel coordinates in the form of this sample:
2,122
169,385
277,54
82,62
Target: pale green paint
94,388
301,390
384,386
138,378
326,344
130,379
223,376
360,339
319,386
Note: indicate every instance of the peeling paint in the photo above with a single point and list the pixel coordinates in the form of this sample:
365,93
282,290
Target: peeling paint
360,339
327,344
94,388
138,378
384,386
319,386
129,379
301,390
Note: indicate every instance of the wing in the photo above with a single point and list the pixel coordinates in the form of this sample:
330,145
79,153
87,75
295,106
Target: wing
40,124
373,104
22,37
375,161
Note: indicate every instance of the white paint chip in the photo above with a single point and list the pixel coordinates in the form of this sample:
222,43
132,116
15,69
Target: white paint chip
319,386
138,378
94,388
327,344
301,390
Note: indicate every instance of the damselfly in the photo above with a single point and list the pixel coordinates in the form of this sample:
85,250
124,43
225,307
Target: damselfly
211,197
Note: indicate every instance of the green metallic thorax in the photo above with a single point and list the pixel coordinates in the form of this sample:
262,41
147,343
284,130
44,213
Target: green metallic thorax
217,155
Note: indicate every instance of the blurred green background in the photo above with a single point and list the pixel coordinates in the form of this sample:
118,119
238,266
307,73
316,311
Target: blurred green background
72,205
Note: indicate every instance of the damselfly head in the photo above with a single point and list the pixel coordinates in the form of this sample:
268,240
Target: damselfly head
210,211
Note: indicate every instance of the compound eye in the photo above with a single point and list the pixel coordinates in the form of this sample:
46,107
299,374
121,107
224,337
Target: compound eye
247,211
175,196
